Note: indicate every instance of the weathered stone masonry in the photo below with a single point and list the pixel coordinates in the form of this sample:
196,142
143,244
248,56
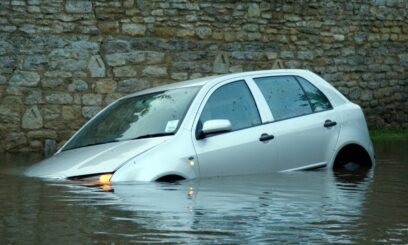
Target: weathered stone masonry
61,61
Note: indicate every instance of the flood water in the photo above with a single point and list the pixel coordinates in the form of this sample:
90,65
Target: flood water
313,207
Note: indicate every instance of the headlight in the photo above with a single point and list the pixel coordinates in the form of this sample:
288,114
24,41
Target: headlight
99,179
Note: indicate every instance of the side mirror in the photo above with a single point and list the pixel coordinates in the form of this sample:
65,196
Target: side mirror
214,126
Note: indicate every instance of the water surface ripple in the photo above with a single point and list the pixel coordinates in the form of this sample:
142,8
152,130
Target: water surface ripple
313,207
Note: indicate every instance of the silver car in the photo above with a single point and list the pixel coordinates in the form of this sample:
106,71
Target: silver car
234,124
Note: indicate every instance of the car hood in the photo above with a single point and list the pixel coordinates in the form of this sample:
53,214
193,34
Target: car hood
95,159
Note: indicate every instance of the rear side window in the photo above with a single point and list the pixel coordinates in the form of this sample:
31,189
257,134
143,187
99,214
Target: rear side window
318,100
284,96
234,102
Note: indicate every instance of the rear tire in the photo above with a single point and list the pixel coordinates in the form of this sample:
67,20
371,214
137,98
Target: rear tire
352,158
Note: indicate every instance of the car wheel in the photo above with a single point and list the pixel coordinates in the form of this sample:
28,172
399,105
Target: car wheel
352,158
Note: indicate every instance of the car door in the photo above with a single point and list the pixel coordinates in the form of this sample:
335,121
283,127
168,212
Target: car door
305,125
240,151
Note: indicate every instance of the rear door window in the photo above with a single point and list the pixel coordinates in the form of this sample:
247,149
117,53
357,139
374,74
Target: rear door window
318,100
285,96
234,102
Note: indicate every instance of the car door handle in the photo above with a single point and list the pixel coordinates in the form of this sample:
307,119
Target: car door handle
329,123
266,137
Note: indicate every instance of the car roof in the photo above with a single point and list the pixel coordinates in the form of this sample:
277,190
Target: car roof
211,80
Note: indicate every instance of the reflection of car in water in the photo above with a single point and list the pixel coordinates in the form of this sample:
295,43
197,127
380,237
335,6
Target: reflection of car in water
294,206
235,124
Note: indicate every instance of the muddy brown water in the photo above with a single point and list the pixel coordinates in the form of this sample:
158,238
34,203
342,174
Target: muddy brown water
314,207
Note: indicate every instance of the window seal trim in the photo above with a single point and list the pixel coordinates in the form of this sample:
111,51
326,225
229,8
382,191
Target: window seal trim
331,106
274,121
253,99
198,88
304,91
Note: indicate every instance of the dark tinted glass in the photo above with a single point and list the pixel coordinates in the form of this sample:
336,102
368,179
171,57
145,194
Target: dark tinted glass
285,97
317,99
234,102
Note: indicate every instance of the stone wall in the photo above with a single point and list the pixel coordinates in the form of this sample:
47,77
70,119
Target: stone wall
61,61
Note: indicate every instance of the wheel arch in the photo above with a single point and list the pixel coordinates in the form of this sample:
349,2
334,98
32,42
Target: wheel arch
170,177
352,151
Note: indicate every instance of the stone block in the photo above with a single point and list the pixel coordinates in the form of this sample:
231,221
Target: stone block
90,111
134,29
63,74
34,9
158,12
112,97
136,57
14,139
5,47
305,55
250,27
35,62
105,86
25,78
339,37
78,85
50,147
179,76
10,112
184,33
32,118
52,82
113,46
286,54
36,145
96,66
271,55
132,85
29,29
8,62
3,80
91,99
78,6
41,134
84,45
153,57
50,112
117,59
254,10
203,32
17,2
34,97
108,26
120,59
71,112
236,68
59,98
155,71
124,71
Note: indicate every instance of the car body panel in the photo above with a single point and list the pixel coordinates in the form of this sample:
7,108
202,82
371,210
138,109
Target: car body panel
170,158
354,131
236,153
299,143
89,160
304,141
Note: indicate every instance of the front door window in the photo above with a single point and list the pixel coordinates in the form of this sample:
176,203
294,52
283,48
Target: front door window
234,102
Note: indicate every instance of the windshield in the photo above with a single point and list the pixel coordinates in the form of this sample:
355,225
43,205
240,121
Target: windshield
143,116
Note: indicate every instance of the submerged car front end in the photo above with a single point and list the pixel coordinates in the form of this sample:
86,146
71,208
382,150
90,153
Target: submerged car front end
121,136
92,161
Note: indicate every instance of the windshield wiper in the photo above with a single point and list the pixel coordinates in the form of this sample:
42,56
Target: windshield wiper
99,143
151,136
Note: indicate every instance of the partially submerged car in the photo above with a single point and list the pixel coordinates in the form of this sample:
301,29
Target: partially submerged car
234,124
